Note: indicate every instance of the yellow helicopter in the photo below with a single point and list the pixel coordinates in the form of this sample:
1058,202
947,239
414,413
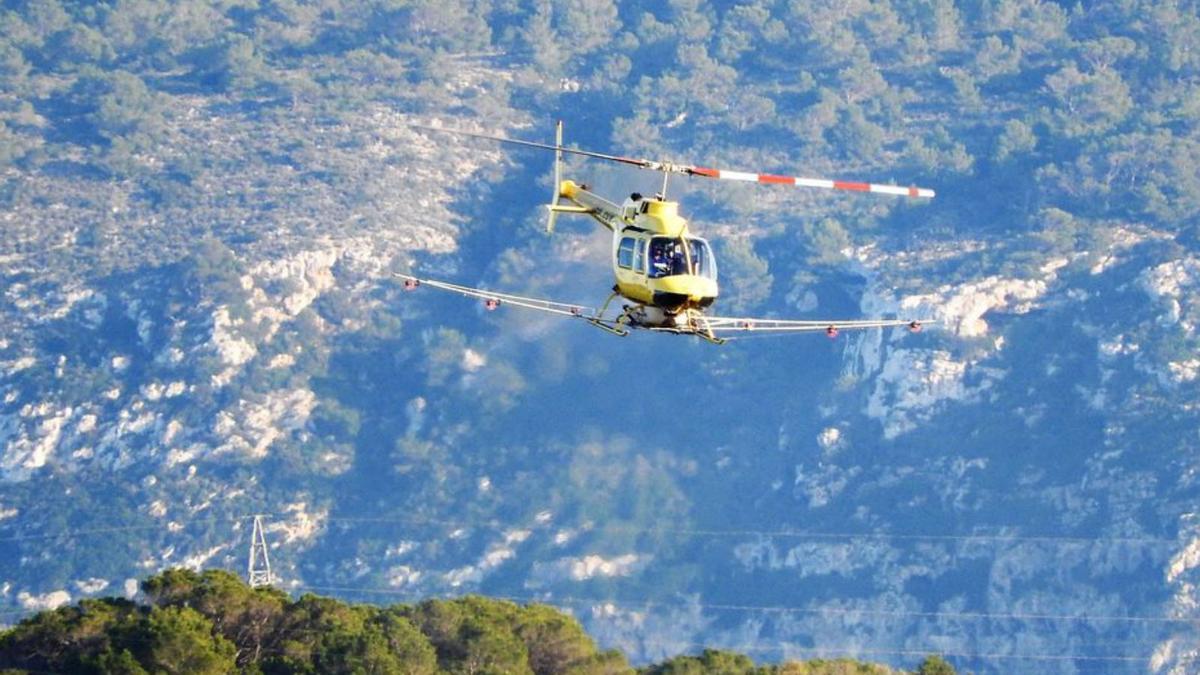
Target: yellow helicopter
668,275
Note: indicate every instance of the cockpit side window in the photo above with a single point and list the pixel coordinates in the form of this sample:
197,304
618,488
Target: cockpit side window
625,252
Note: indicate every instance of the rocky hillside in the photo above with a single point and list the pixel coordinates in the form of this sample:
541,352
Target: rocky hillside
203,204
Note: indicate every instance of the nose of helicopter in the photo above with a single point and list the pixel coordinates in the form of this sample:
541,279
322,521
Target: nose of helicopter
684,289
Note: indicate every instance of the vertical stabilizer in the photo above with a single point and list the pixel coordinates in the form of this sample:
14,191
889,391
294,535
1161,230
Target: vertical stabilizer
553,206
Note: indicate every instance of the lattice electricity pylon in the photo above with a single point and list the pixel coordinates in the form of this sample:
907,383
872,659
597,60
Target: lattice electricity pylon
259,569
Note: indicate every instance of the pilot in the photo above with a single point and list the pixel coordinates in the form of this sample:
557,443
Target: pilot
678,260
660,266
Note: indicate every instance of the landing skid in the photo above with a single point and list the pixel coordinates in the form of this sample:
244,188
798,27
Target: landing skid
708,337
614,329
703,335
694,323
617,326
701,329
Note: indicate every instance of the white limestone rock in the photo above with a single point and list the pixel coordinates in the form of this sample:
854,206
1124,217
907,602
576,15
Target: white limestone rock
472,360
830,439
304,276
234,350
916,384
402,576
415,410
250,428
401,549
650,634
30,439
824,483
91,586
199,559
301,526
586,567
1169,281
50,600
960,308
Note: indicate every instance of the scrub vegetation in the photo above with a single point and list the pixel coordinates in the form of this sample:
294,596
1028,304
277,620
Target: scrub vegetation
213,623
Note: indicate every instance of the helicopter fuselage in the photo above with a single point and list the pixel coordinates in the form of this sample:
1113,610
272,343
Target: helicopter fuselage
655,261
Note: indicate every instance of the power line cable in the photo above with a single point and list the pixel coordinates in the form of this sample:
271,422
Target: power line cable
976,616
778,609
981,656
850,650
796,534
629,529
92,531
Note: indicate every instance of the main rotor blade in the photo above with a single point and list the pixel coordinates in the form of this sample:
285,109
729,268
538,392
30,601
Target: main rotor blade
721,174
641,163
824,183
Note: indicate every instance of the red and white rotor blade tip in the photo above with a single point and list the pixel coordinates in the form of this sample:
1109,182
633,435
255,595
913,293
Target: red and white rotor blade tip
824,183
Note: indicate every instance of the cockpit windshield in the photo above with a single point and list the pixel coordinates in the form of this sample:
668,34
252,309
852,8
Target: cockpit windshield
670,257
